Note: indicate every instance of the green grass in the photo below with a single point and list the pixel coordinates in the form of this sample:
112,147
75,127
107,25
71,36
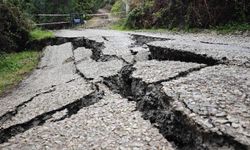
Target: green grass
230,28
119,25
39,34
14,67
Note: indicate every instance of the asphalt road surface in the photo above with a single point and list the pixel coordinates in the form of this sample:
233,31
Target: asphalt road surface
104,89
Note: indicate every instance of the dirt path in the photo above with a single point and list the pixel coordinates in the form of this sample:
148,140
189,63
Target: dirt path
102,22
104,89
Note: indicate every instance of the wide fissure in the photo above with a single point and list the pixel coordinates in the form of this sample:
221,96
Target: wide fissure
160,53
158,107
172,123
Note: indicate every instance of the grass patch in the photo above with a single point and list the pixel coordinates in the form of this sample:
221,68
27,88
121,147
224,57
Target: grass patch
14,67
39,34
119,25
232,28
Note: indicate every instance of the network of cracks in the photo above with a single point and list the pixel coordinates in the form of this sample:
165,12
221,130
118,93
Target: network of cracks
195,100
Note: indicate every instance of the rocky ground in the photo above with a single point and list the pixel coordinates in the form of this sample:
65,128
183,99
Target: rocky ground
104,89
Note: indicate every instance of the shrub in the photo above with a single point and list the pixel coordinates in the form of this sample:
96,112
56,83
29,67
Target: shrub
188,13
118,7
13,28
140,17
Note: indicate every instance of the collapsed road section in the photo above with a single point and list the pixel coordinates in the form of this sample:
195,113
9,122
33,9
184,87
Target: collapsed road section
196,109
78,112
114,90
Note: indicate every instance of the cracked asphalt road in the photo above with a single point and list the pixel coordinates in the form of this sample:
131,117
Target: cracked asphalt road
102,90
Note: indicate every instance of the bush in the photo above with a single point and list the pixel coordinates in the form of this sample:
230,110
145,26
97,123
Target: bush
118,7
134,19
13,28
188,13
140,17
213,12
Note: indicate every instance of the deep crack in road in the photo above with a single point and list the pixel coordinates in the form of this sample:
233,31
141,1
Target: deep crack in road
104,89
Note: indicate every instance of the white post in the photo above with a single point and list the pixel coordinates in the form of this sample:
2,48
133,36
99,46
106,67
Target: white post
127,5
127,8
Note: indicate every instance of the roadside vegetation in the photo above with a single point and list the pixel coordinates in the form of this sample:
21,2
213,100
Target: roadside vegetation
15,66
232,28
32,7
16,31
17,19
39,34
117,7
192,16
14,28
119,25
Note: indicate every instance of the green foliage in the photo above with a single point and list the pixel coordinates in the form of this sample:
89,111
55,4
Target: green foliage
32,7
13,27
133,20
119,25
232,27
14,66
188,13
39,34
84,6
118,7
24,5
140,17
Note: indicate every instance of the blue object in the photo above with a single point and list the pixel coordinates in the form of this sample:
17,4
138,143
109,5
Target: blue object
77,21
